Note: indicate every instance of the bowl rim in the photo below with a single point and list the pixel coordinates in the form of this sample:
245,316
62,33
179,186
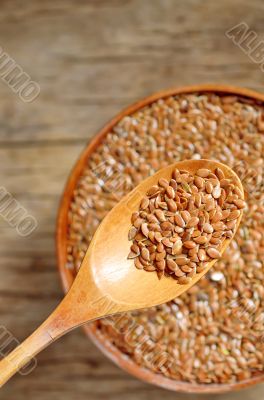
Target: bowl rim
66,276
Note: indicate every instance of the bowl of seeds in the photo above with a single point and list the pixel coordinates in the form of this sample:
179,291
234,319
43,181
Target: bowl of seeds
210,339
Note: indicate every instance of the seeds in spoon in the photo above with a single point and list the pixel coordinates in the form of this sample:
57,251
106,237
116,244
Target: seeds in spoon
183,222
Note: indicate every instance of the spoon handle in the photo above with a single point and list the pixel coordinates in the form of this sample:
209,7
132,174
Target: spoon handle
74,310
24,353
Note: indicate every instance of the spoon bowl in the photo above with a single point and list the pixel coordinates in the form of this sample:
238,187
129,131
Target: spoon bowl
108,282
117,280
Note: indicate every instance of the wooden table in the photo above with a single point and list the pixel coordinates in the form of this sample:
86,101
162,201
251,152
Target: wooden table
91,58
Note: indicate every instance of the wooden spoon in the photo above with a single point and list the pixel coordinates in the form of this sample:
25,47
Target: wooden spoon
108,282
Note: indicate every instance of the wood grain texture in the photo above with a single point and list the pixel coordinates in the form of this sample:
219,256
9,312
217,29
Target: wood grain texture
91,58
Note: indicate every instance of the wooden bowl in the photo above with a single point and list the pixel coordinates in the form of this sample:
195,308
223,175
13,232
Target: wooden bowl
101,341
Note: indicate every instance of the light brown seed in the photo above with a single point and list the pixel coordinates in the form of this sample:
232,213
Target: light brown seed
160,215
172,265
149,268
160,256
186,215
202,255
144,253
172,206
163,182
213,252
217,217
161,264
189,244
177,247
216,192
181,260
138,264
192,222
198,200
179,220
231,224
170,192
179,273
167,226
199,182
145,229
132,255
153,191
184,280
201,239
158,237
132,233
138,222
144,203
151,236
233,215
219,173
208,228
218,226
134,216
135,248
203,172
160,247
209,187
167,242
186,268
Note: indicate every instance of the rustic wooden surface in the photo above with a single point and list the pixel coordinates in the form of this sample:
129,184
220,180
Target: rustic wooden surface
91,58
